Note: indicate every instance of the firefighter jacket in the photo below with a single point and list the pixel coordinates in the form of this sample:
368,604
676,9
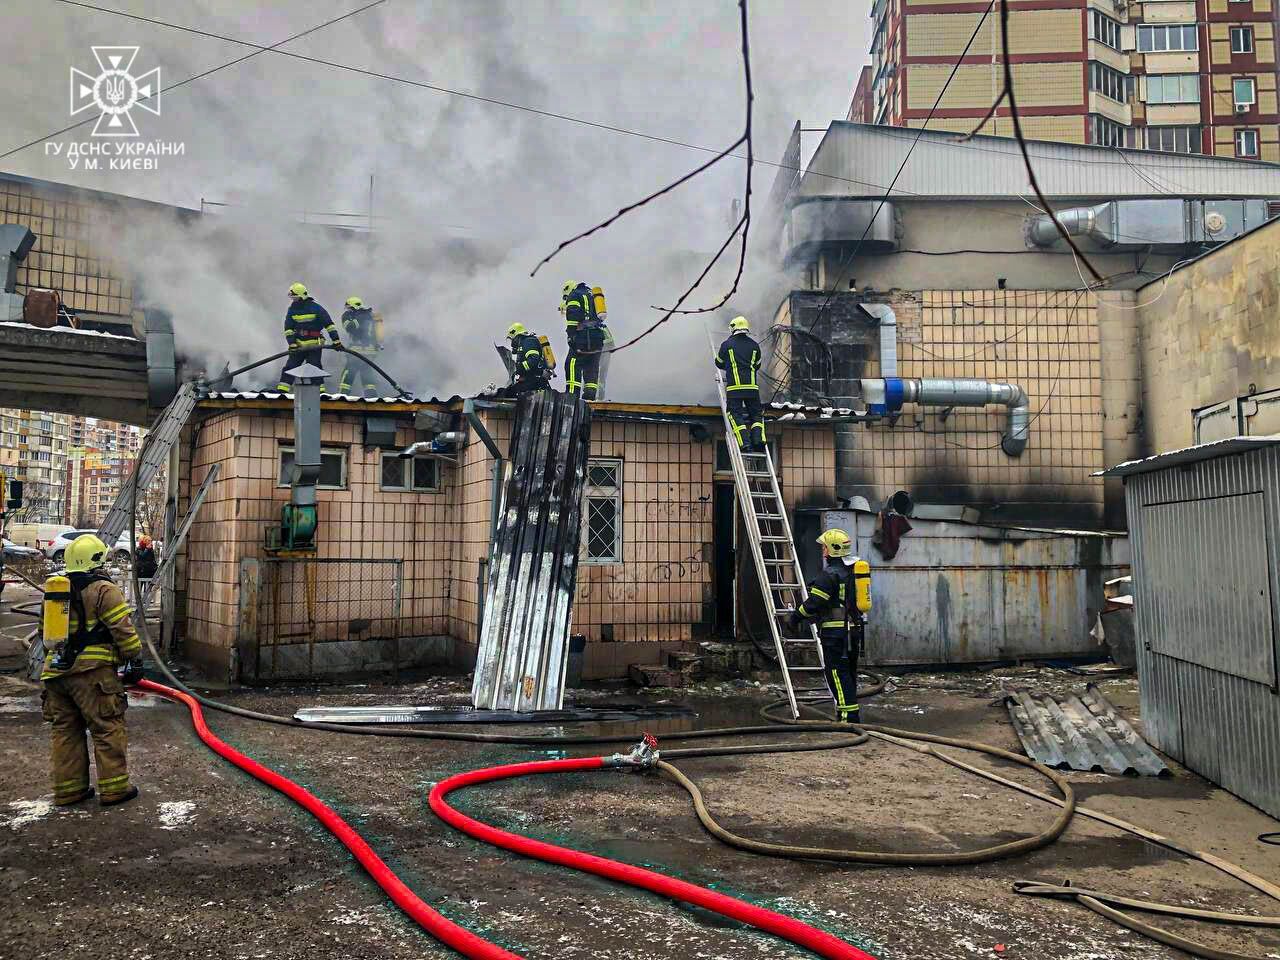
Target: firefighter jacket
306,322
359,328
579,308
526,352
739,358
826,600
111,637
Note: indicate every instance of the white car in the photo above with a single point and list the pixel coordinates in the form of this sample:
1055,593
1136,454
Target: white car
56,548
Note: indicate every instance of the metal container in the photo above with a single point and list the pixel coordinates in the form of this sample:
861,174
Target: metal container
965,593
1205,525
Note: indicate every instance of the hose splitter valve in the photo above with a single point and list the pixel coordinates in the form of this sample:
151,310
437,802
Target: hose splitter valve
643,756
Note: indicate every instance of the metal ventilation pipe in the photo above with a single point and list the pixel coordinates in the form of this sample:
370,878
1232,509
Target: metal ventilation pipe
888,395
1077,221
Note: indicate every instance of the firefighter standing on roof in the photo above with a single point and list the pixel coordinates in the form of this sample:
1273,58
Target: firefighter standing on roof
88,632
305,324
363,331
739,358
531,368
838,600
584,329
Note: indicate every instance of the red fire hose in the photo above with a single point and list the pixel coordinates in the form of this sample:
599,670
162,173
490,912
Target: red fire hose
462,940
801,934
446,931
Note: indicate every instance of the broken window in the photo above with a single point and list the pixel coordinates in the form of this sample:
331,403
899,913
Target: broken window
602,519
333,468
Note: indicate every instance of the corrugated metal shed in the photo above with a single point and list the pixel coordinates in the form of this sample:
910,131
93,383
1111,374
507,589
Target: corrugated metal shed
1197,454
860,160
1205,529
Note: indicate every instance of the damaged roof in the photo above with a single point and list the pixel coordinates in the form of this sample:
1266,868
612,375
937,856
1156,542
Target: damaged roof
1196,454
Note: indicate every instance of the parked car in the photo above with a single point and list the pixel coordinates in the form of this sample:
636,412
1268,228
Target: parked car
57,547
37,535
15,553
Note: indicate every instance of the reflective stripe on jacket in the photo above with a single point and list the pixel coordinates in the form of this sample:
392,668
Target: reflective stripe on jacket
739,358
826,599
107,618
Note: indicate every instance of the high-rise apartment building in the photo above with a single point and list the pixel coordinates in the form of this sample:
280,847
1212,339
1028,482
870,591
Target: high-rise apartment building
1185,76
33,445
101,458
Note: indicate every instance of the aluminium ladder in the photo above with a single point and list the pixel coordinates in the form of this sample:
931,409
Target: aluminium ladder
781,579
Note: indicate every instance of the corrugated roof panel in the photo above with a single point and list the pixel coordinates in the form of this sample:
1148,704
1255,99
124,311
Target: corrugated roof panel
860,160
1173,458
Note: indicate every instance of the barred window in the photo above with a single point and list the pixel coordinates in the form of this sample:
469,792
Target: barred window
602,518
421,474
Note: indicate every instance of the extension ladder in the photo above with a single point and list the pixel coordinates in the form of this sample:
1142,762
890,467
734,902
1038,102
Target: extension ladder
781,579
164,434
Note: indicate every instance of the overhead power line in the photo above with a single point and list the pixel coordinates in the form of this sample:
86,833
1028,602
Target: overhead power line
199,76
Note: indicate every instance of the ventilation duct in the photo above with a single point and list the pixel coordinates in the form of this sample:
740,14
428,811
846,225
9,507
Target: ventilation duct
1136,224
826,222
888,396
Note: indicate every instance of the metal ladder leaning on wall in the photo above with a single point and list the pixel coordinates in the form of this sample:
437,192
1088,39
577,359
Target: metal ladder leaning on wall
164,434
781,579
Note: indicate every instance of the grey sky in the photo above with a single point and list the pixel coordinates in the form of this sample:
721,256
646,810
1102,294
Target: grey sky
468,196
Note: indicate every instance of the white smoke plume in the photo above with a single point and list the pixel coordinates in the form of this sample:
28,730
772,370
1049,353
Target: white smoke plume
467,196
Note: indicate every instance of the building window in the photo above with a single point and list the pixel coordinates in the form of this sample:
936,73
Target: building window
333,468
1246,143
1173,139
1242,39
1105,132
1159,37
602,523
1173,88
1103,29
1243,92
421,474
1108,82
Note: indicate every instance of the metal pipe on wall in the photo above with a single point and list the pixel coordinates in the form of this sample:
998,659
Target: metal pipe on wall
889,394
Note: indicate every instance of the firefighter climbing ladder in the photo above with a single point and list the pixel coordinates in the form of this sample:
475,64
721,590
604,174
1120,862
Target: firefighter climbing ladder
781,579
164,434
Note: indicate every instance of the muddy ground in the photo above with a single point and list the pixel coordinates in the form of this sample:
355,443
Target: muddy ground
209,863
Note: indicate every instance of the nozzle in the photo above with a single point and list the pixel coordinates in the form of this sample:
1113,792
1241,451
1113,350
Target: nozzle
643,756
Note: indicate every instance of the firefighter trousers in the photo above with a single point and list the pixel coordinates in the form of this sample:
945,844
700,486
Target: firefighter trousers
746,416
357,378
92,701
296,359
840,654
582,373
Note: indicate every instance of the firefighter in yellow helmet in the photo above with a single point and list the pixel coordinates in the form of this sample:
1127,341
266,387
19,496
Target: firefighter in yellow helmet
531,371
363,331
838,600
305,324
82,692
739,359
587,335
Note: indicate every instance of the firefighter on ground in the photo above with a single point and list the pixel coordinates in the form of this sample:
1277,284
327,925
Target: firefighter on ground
532,371
739,358
363,339
81,689
585,331
838,600
305,324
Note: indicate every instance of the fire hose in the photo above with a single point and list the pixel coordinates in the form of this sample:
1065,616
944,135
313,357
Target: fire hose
923,743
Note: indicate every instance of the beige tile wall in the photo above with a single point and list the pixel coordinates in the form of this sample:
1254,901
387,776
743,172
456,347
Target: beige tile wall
1046,341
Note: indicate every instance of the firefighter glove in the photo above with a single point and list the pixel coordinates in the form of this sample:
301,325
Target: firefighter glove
133,672
337,345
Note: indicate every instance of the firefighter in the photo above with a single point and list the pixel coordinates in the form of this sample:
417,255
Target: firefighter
305,323
587,336
363,340
81,689
837,601
739,358
531,369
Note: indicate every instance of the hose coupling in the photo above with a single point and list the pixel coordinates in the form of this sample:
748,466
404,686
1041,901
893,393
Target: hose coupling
643,756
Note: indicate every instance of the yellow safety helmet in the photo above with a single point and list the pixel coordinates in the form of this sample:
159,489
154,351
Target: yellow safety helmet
355,302
837,543
569,287
515,330
298,290
85,553
739,323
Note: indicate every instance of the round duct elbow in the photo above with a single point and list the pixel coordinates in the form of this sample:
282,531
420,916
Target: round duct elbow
1018,430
